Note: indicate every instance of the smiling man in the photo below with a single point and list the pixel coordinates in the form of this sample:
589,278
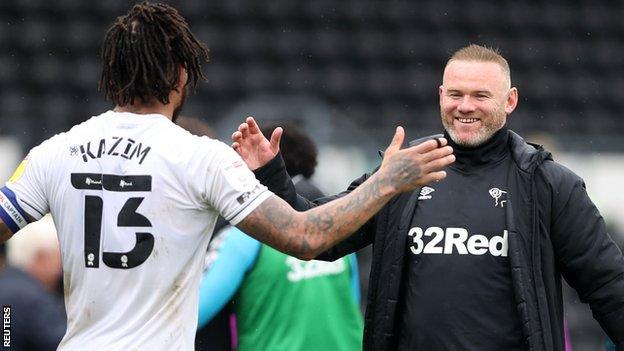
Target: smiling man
484,250
476,96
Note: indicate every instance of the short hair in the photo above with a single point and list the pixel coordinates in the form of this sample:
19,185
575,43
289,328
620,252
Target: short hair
297,149
23,246
142,53
474,52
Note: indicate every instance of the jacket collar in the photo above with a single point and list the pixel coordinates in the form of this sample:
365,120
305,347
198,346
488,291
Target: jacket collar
527,156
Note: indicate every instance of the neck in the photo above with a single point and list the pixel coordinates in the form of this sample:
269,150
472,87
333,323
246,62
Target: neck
145,109
492,151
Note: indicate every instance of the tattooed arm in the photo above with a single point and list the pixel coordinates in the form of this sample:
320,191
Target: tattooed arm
306,234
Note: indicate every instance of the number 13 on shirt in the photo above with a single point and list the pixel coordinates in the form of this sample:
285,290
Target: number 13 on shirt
127,217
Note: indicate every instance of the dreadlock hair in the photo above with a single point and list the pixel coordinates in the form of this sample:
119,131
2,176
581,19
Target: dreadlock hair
142,53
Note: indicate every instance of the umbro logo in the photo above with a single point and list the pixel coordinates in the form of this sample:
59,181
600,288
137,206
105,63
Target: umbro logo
425,193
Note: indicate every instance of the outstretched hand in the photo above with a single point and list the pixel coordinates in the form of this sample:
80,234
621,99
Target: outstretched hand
407,169
255,149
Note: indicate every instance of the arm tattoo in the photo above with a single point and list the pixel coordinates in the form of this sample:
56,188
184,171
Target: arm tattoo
306,234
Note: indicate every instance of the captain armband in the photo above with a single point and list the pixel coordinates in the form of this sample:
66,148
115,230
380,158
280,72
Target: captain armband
10,212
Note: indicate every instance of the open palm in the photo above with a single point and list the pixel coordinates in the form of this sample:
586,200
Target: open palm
255,149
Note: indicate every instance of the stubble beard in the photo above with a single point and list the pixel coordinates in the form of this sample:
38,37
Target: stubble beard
178,109
485,132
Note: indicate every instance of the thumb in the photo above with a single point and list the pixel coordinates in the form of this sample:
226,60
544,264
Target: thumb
276,136
397,141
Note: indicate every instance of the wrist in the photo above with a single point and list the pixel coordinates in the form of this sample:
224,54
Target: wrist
276,164
385,186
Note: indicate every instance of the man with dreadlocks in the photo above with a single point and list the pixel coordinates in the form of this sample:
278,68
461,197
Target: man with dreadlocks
135,197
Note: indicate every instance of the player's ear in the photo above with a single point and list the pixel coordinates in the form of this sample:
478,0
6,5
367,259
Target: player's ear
512,100
182,77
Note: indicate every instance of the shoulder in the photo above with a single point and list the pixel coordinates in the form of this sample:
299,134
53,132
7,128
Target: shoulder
557,175
49,150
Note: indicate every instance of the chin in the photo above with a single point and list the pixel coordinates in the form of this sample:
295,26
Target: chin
469,140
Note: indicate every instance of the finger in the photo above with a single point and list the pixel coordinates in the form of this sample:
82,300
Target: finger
397,140
433,177
235,146
430,145
438,164
276,136
237,136
254,128
436,153
244,129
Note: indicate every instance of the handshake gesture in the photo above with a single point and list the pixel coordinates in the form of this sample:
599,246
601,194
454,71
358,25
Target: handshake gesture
401,170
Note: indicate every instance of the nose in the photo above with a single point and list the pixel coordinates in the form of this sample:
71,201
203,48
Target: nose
466,105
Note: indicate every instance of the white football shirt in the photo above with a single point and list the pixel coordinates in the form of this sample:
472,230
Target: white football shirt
135,199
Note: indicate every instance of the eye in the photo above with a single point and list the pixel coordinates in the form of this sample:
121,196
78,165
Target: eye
454,95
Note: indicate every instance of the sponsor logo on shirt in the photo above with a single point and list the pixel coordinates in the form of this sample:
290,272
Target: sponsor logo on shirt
239,176
425,193
500,197
90,181
19,171
247,195
301,270
451,241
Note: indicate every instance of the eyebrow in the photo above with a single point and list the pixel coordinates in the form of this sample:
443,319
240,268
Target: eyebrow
486,92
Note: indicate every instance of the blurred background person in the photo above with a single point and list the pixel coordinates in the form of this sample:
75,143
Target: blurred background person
37,253
280,302
29,283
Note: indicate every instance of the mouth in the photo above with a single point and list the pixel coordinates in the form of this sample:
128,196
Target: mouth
467,120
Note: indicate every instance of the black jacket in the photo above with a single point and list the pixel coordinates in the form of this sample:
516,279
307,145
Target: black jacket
554,230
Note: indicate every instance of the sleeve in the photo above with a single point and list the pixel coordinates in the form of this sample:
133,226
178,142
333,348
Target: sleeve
276,178
23,198
589,260
231,188
355,278
231,258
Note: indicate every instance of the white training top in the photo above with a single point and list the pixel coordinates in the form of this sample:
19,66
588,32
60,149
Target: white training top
135,199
